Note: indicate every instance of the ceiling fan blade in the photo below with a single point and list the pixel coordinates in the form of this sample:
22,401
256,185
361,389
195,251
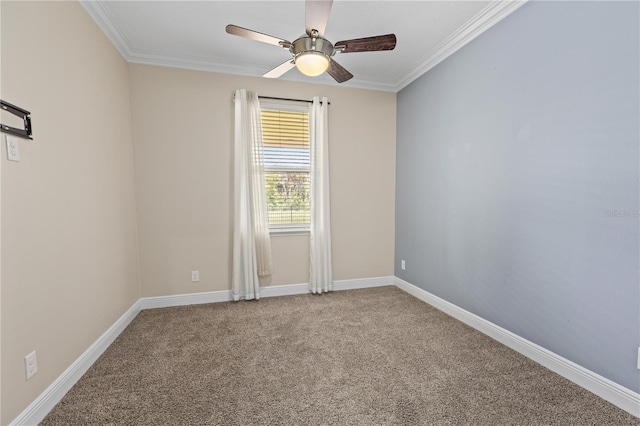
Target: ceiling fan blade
254,35
338,73
280,69
316,15
367,44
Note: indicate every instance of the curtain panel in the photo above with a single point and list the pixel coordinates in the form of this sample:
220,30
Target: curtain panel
251,241
320,273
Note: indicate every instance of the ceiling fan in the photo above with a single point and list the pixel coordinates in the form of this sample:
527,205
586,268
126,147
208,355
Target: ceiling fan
312,53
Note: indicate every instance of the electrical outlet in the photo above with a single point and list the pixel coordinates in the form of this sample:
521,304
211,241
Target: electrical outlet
403,266
195,276
30,364
13,152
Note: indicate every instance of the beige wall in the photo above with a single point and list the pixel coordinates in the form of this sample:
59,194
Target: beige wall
69,253
72,262
183,166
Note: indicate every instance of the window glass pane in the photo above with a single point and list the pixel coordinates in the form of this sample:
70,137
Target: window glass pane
288,197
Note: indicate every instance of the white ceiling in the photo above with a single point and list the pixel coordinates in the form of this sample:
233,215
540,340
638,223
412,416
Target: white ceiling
191,34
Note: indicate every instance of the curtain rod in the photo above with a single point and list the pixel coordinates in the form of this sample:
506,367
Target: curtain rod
289,99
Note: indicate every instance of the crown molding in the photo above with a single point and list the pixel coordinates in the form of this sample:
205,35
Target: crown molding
193,63
207,64
482,21
493,13
107,24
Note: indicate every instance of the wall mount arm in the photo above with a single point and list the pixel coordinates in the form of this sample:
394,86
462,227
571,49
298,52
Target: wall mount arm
22,113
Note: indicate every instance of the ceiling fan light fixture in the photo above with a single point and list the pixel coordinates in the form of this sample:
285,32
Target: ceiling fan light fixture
312,63
311,55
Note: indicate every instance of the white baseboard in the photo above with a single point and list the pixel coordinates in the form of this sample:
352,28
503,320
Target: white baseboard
606,389
362,283
291,289
269,291
185,299
44,403
284,290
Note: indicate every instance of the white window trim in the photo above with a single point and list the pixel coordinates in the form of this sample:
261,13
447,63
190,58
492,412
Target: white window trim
286,230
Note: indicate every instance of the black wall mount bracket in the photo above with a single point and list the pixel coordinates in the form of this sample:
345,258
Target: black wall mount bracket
22,113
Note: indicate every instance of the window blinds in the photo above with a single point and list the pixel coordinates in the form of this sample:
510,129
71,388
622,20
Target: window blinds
285,137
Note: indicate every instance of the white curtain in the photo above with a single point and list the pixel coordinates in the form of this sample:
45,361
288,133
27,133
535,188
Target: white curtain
251,243
321,277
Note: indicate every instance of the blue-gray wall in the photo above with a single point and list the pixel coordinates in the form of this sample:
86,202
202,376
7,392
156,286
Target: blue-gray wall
518,181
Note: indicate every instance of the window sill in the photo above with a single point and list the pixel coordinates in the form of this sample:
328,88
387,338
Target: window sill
280,232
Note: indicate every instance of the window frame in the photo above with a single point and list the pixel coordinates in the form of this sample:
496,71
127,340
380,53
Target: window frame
292,229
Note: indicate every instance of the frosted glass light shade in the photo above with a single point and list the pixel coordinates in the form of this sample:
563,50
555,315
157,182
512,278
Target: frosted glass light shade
312,63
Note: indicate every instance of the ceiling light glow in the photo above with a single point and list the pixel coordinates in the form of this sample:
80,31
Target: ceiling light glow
312,63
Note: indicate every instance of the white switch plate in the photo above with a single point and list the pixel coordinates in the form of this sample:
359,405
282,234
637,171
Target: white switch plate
402,265
638,358
13,150
30,364
195,276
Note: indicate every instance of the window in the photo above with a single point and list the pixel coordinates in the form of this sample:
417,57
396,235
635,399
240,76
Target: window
285,134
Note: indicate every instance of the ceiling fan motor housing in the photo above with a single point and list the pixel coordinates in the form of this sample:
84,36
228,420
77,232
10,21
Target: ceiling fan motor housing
311,45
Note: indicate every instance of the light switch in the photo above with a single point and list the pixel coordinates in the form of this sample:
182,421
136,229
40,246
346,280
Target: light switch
13,151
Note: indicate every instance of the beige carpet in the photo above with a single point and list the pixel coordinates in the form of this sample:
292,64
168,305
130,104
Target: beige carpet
367,357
